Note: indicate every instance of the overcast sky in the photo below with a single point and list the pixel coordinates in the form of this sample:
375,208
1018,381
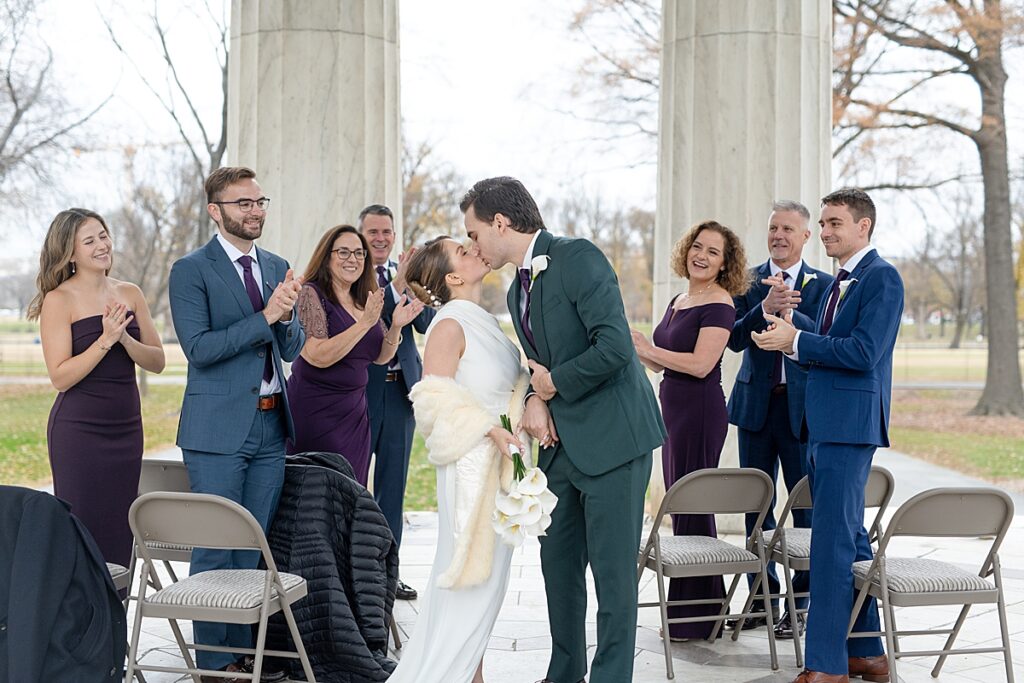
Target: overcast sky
485,81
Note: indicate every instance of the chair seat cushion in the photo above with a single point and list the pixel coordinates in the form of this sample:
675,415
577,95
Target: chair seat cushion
116,570
221,588
919,575
798,542
694,550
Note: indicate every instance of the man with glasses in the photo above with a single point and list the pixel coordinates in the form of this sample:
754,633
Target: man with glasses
387,393
232,308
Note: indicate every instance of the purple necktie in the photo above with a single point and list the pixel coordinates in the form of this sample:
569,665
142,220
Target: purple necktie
382,276
524,281
777,368
833,301
256,299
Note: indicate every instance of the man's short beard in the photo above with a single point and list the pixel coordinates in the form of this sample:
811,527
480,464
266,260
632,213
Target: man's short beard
238,228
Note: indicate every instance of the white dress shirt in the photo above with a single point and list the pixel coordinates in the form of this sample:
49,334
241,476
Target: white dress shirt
849,266
793,271
234,253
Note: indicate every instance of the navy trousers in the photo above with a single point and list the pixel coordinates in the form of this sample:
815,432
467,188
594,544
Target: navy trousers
252,477
391,430
766,449
839,473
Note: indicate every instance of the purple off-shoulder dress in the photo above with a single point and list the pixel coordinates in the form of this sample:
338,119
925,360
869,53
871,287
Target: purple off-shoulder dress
94,438
328,405
697,421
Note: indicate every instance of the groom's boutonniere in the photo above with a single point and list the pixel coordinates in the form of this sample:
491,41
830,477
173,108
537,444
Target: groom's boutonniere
537,266
845,285
808,277
392,271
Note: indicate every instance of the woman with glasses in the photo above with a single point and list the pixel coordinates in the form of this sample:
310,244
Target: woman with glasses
339,308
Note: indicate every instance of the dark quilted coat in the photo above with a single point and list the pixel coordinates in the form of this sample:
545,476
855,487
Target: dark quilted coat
329,530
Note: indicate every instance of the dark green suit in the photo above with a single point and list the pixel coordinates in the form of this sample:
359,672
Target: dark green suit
608,423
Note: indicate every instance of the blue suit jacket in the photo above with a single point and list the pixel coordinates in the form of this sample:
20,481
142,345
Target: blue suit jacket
224,342
407,354
748,403
849,381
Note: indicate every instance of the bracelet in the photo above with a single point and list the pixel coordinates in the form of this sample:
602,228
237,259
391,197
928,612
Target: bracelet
105,348
393,343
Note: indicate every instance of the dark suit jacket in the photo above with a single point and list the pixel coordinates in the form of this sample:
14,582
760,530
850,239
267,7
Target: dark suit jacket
61,621
849,381
605,411
408,355
224,342
748,403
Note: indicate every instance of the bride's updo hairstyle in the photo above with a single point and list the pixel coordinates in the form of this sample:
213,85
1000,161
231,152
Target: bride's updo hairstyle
426,271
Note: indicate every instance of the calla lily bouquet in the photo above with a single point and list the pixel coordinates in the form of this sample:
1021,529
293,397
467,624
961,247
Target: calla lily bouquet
526,509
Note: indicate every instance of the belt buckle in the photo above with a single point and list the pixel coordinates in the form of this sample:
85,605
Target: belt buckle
268,402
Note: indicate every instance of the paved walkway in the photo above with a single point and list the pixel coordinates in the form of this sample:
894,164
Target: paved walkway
521,643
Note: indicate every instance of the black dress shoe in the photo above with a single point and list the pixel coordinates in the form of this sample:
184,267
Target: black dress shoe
271,672
756,621
404,592
784,629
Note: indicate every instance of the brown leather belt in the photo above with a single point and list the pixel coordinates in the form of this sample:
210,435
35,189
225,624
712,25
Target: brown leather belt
393,376
778,389
270,402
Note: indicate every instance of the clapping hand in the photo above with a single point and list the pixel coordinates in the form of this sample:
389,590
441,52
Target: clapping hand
403,262
406,311
116,317
541,381
281,303
780,297
372,309
780,333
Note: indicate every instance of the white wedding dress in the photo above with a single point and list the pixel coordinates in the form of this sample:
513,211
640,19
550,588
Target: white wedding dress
454,625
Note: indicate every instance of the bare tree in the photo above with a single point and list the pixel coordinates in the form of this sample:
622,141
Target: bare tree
205,139
962,42
619,84
35,117
430,193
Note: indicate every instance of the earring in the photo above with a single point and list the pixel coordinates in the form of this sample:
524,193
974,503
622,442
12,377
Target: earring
72,267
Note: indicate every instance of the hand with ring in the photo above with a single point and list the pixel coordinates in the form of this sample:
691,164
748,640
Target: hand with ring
116,317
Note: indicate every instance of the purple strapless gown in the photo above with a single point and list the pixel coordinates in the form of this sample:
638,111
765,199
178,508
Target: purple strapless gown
94,436
328,405
697,421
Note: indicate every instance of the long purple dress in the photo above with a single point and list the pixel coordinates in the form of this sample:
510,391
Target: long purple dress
697,421
94,437
329,404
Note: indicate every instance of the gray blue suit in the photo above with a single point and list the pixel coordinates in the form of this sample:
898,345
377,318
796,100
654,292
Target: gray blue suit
391,417
230,446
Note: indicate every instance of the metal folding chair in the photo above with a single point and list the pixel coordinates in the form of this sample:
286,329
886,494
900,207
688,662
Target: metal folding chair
237,596
980,512
710,491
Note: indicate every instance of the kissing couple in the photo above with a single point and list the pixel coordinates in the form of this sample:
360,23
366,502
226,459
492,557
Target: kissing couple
587,402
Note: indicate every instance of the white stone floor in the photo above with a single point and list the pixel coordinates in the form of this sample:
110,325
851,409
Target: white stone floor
520,644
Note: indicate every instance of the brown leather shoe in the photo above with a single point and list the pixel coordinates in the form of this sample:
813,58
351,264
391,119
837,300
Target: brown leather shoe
874,669
818,677
230,668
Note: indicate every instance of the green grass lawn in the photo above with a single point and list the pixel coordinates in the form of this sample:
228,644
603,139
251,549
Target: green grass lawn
24,410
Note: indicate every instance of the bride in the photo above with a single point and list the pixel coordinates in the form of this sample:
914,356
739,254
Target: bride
471,376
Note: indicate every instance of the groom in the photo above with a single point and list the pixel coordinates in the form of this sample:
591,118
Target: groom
594,414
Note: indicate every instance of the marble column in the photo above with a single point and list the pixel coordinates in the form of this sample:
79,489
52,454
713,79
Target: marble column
745,119
313,108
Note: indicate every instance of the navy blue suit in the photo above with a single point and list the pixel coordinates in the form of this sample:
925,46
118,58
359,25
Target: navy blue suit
769,422
849,384
391,418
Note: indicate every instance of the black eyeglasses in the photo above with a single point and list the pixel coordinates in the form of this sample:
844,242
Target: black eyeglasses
246,205
344,254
